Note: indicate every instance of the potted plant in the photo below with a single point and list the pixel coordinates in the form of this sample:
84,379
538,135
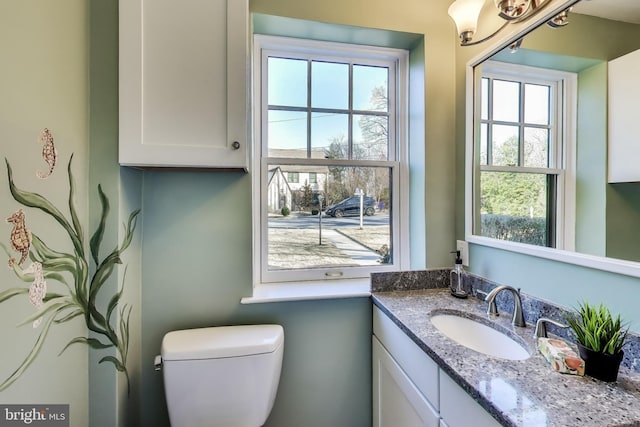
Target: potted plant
600,338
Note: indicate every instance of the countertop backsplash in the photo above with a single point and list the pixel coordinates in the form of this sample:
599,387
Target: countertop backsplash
478,287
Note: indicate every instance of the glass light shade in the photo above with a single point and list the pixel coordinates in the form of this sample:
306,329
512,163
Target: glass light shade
465,14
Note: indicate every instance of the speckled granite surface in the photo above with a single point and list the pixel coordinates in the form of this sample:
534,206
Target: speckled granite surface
407,280
533,308
516,393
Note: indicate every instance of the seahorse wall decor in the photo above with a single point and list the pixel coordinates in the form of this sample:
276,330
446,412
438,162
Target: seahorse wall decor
49,153
20,238
80,291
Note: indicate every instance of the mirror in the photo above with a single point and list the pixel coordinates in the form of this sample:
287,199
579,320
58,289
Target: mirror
565,166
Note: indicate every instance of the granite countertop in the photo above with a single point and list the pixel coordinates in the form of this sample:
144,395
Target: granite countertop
516,392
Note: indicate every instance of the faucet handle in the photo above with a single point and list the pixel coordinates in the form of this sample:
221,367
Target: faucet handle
541,327
490,297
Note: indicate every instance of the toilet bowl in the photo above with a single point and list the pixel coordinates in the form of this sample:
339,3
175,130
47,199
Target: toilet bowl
224,376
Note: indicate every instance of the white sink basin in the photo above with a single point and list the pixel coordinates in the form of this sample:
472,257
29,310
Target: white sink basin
478,336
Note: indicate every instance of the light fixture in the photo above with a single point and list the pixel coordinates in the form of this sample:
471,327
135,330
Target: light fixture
465,14
560,20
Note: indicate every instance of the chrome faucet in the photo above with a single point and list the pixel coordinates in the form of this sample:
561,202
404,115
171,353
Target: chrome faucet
541,327
518,317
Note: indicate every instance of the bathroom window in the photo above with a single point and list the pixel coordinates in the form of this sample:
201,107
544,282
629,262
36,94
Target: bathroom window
525,168
329,114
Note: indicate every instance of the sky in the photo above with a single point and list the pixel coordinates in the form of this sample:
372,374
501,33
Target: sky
288,86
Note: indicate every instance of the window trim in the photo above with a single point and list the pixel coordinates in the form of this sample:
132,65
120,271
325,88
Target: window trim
291,175
564,167
400,175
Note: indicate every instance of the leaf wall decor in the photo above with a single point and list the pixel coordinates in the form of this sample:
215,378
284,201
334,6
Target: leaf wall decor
71,270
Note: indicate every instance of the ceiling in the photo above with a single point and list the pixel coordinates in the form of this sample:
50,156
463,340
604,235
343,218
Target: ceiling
618,10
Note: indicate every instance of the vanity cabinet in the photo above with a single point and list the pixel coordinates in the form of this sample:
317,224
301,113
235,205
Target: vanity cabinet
405,379
458,409
183,83
624,126
397,401
409,388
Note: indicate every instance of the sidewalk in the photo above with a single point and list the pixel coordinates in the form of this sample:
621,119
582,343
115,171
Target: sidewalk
362,255
291,248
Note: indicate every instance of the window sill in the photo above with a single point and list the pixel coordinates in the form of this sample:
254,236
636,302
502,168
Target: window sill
333,289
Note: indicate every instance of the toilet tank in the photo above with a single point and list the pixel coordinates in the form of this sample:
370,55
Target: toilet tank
222,376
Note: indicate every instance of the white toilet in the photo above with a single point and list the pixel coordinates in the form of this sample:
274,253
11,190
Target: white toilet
222,376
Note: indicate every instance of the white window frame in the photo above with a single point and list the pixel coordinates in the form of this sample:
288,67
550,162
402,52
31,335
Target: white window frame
563,135
352,281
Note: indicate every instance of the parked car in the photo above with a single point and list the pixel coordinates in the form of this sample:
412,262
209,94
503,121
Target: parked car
351,206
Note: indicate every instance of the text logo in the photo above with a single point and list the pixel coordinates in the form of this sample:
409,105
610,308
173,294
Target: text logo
34,415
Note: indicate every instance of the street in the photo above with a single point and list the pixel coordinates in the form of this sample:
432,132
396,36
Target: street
311,221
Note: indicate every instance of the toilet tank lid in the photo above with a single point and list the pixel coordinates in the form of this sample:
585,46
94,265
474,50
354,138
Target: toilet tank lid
221,341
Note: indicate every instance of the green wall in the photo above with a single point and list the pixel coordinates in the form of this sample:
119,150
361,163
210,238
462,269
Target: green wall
591,170
190,262
113,401
196,267
560,283
623,219
586,37
196,251
60,71
43,83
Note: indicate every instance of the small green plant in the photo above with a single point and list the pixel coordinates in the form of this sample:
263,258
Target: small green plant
314,211
596,329
285,211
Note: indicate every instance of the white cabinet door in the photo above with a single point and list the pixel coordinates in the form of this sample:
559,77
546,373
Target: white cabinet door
183,79
624,126
396,400
458,409
422,370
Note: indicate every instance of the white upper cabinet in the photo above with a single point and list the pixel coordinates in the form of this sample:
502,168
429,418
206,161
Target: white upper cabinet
624,125
184,83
